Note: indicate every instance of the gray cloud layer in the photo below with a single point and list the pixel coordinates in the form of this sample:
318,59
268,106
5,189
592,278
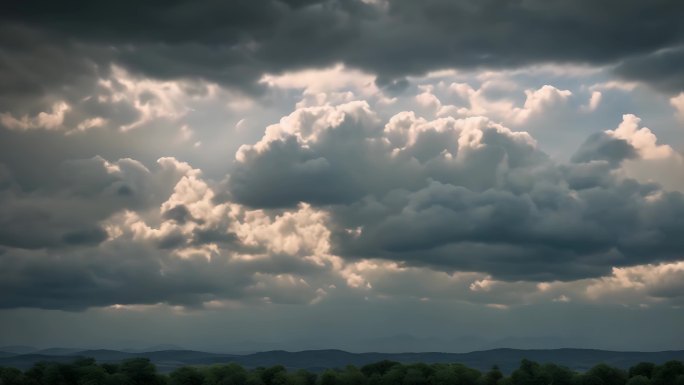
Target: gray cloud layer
48,44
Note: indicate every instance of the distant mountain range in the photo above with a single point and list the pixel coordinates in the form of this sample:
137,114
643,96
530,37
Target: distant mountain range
318,360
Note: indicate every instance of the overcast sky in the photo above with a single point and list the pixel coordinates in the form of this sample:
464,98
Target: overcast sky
370,175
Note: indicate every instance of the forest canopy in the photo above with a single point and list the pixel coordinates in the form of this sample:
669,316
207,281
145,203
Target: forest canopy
141,371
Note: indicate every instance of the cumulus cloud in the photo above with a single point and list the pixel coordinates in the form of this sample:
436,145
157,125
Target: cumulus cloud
150,99
155,236
641,138
656,162
463,194
642,284
335,200
496,99
100,95
46,120
88,191
594,101
635,286
678,103
537,101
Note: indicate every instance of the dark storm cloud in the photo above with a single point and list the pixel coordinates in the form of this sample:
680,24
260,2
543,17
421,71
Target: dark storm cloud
93,235
86,192
601,146
179,214
462,195
542,234
134,272
662,69
142,275
38,68
236,42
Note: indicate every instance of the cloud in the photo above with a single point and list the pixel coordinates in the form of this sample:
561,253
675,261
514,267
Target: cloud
336,201
323,80
73,88
604,147
155,236
641,138
658,68
46,120
594,101
641,284
88,191
656,162
539,100
464,194
240,162
239,44
678,103
496,99
635,286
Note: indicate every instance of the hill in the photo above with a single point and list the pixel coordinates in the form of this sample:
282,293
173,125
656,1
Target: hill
318,360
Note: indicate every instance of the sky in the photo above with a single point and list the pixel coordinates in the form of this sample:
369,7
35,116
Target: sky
367,175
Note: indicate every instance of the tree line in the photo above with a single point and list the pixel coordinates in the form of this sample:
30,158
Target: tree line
140,371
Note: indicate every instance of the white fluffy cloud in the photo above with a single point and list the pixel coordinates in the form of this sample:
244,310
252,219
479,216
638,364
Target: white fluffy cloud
678,103
537,101
594,101
659,163
50,120
642,284
469,101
